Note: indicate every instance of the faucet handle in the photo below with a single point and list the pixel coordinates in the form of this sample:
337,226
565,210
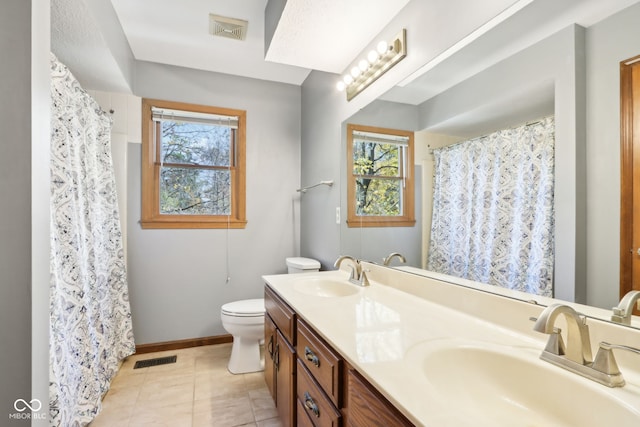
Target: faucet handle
555,343
363,277
353,275
605,361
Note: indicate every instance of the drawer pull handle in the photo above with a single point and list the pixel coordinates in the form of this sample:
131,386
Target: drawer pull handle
311,357
276,357
270,347
311,405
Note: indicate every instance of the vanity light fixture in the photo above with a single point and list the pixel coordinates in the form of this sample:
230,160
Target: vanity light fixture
377,62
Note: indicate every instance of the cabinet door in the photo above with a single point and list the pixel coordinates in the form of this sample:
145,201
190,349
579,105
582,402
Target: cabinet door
285,381
270,339
367,407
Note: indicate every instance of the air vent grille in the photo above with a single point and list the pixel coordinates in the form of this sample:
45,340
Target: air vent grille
227,27
155,362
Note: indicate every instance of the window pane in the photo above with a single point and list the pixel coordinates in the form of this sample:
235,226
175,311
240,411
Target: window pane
378,197
189,191
376,159
194,143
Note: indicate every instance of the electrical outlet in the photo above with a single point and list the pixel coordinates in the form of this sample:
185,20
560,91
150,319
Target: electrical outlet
338,215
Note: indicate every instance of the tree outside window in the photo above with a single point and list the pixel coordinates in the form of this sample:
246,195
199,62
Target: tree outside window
193,166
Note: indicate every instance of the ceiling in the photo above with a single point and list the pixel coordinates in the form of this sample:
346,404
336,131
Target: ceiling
92,36
310,35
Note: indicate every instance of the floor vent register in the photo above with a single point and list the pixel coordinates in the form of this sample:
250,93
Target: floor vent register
155,362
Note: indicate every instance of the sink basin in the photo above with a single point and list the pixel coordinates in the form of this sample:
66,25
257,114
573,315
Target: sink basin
325,287
512,387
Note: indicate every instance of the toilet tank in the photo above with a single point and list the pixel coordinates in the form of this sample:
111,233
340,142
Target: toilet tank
302,265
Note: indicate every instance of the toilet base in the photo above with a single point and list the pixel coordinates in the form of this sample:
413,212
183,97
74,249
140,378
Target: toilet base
245,356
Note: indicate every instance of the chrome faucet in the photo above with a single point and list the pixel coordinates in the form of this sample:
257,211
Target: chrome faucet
622,313
578,346
387,260
576,355
357,276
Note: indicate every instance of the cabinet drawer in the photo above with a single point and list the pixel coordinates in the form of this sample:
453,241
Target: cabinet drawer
303,416
324,364
283,316
315,403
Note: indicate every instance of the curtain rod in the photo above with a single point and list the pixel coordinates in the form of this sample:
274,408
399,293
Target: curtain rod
304,189
526,124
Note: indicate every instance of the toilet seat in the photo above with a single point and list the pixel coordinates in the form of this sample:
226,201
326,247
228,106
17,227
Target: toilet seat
245,308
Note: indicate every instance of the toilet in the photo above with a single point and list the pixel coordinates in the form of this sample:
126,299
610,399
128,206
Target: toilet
302,265
244,320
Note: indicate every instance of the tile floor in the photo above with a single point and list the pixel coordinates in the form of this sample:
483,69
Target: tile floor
196,391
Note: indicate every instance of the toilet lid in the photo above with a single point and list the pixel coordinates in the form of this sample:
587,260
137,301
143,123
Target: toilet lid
244,308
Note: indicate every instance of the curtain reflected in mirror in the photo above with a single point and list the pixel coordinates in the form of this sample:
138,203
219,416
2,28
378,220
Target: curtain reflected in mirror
493,209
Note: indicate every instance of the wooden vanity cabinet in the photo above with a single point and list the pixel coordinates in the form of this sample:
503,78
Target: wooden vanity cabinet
367,407
280,365
312,384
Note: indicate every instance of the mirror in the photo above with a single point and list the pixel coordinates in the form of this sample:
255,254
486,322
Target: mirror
504,79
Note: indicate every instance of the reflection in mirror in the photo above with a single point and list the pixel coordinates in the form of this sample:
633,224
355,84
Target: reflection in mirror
380,191
492,219
509,76
367,237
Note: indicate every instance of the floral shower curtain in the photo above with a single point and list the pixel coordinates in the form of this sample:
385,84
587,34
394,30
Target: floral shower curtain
90,324
493,209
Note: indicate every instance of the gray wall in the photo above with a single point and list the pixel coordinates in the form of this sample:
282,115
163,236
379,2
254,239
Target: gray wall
177,278
15,187
608,43
24,214
321,160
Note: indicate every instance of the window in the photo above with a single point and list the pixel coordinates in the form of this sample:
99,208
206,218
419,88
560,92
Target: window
380,173
193,160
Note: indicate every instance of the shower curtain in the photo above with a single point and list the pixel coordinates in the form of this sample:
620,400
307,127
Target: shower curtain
493,209
90,328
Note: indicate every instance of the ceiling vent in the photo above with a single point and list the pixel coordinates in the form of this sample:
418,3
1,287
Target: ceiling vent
227,27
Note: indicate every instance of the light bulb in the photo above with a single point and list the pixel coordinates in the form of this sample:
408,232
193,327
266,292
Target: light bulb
363,65
347,79
372,57
355,72
382,47
340,85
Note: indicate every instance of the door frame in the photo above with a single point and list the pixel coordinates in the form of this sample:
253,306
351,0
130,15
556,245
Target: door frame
626,174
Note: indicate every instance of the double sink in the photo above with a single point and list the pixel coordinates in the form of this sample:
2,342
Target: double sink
492,383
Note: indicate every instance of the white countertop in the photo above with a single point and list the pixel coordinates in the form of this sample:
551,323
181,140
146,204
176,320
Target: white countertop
384,333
